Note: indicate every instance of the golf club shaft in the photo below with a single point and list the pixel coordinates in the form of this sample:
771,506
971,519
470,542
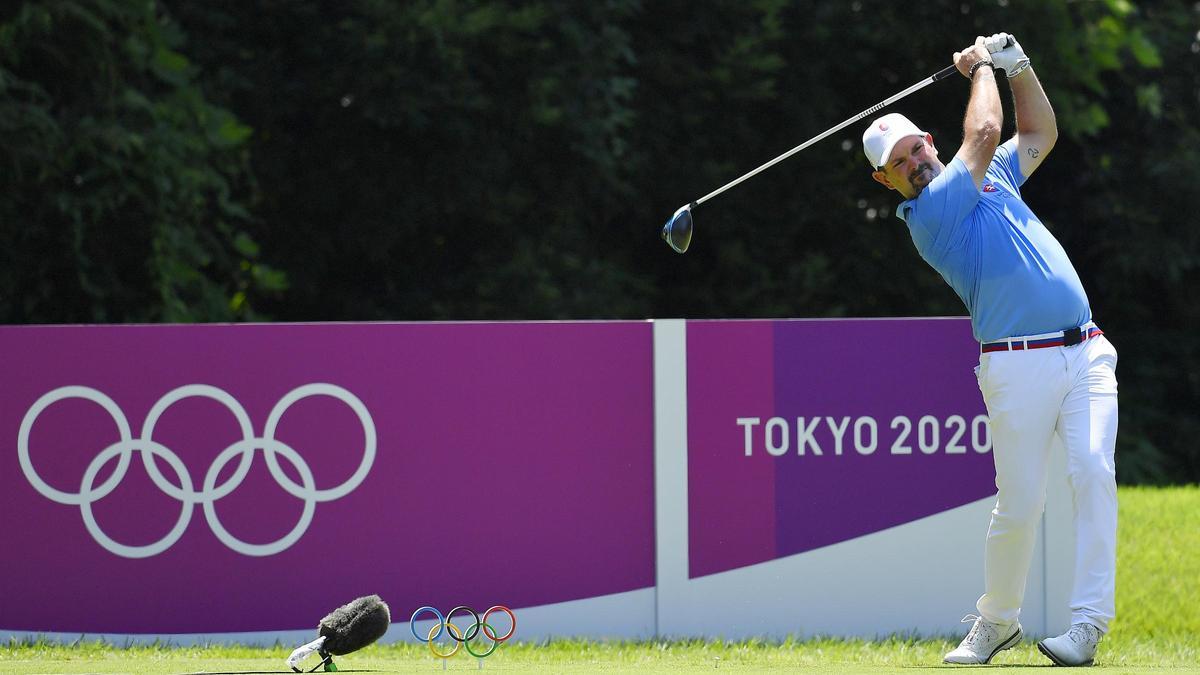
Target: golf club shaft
940,75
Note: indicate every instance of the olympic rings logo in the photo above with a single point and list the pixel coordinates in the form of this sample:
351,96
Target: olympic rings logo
481,626
123,450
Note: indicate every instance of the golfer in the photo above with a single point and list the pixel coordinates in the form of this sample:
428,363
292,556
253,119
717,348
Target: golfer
1045,369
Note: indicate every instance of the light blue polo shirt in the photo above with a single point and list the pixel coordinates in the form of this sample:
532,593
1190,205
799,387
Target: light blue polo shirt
1012,274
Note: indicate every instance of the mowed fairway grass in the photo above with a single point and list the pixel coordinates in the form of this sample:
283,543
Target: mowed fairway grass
1157,629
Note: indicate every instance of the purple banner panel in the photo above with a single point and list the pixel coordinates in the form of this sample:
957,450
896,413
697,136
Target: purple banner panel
214,479
803,434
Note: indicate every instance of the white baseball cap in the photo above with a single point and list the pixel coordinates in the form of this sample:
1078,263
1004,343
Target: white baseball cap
883,134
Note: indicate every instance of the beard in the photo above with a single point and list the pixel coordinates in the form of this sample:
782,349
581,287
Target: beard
922,176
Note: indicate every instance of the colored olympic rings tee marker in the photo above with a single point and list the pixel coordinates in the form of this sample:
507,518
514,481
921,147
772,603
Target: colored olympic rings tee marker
441,622
452,631
480,655
472,631
445,624
491,634
183,489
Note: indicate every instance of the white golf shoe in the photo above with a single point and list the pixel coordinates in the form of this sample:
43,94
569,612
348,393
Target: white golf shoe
985,640
1076,647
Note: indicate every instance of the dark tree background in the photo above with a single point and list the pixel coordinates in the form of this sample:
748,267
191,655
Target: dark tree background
445,159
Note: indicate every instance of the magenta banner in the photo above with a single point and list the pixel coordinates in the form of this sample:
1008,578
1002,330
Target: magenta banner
193,479
803,434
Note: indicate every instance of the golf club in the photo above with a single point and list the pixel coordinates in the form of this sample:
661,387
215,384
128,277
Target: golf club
678,230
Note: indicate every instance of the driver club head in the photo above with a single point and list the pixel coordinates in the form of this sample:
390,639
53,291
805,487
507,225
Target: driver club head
678,230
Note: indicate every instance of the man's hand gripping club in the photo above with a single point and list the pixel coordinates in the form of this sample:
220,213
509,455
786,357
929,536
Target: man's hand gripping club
1007,53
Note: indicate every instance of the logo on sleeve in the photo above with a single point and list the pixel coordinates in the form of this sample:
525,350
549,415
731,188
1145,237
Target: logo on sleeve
992,187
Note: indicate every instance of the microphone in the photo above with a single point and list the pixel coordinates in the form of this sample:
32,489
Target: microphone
346,629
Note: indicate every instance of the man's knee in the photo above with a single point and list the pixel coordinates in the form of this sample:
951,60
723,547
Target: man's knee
1093,470
1019,510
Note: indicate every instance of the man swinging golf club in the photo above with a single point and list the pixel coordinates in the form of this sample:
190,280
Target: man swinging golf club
1044,366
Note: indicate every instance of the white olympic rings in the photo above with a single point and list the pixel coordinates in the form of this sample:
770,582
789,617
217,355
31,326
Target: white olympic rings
123,450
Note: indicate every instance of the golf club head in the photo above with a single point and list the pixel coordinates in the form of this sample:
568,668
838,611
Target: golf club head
678,230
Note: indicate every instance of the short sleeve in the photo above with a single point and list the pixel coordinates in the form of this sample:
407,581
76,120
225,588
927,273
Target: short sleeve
1007,163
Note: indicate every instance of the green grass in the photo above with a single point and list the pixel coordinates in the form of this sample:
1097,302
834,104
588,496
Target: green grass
1157,629
1158,565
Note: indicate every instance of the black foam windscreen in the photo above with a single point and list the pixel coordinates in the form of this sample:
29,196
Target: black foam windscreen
355,625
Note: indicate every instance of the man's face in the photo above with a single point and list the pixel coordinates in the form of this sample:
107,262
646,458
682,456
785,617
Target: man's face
911,166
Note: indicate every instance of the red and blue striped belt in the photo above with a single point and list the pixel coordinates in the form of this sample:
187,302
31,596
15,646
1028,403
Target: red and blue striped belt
1066,338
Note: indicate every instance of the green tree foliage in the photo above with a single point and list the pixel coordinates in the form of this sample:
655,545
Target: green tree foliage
432,159
119,175
494,159
1129,200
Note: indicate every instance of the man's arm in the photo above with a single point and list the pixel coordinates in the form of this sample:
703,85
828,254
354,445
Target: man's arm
1037,129
984,116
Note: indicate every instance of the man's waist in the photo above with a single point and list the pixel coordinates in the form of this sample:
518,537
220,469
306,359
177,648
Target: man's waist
1063,338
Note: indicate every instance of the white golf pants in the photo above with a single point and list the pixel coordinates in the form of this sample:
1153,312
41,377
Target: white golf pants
1031,395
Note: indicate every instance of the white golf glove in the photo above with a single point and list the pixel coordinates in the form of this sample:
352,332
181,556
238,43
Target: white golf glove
1007,53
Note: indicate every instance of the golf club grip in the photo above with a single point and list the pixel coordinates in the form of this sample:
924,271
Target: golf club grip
950,70
944,73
